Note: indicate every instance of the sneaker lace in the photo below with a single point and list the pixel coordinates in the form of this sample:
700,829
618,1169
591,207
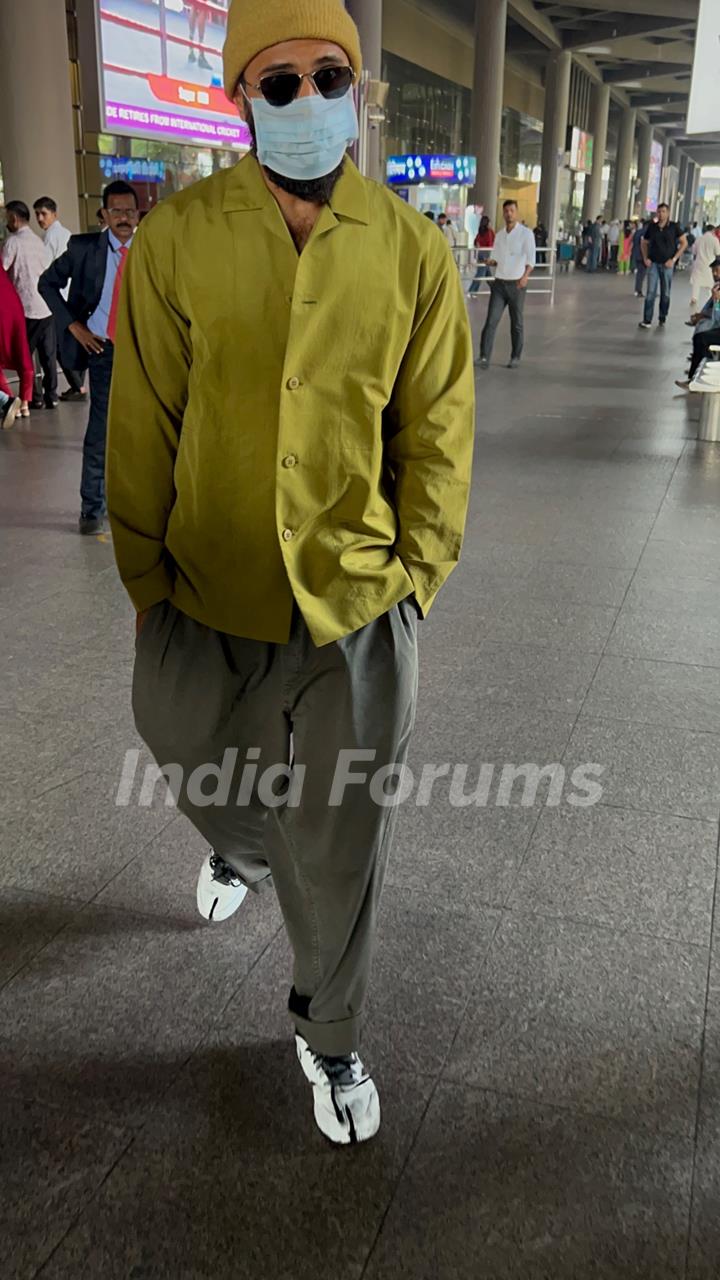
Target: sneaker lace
223,873
344,1070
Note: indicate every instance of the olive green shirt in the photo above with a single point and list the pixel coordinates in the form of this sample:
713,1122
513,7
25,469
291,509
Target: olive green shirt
288,426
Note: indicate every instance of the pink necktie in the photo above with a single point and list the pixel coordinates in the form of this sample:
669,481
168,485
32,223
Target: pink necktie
112,319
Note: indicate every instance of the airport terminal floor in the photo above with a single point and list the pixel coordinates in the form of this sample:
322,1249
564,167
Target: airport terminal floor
544,1024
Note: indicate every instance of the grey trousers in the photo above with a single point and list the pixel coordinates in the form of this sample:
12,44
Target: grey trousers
228,710
504,293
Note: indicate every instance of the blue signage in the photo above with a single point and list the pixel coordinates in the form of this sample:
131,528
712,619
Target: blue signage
410,170
133,170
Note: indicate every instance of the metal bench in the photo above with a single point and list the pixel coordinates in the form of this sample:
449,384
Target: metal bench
707,383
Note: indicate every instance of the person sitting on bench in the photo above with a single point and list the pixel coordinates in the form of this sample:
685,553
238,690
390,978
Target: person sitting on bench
707,329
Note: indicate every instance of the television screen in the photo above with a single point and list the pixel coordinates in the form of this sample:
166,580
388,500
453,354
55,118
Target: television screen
161,71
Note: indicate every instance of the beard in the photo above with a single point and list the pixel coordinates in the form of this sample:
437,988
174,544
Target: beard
312,190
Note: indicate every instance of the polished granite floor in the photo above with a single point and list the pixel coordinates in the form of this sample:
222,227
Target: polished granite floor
545,1017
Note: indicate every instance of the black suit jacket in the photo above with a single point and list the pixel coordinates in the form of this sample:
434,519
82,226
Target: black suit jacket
83,264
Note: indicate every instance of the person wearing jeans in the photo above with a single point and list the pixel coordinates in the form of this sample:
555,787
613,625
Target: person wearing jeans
514,260
659,277
662,244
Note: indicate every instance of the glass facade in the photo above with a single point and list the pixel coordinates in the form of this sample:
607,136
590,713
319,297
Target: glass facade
520,146
426,114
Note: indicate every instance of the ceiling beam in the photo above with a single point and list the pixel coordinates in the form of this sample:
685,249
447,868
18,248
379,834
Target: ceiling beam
646,100
681,10
606,33
644,71
534,21
637,49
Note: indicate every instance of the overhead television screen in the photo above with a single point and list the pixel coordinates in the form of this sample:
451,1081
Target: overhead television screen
161,71
580,146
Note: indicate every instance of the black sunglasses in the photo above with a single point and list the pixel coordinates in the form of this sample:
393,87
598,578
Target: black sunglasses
283,87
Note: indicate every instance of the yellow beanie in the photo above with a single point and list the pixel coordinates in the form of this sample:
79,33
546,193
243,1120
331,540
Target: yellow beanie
254,25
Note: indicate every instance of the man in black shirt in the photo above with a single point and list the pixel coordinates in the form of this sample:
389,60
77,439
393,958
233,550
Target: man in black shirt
662,244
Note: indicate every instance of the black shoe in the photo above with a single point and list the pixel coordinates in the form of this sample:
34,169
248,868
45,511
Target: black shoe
644,324
51,404
37,404
90,524
661,320
514,363
73,395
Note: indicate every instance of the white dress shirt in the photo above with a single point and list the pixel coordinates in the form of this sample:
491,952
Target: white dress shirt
56,239
513,252
25,257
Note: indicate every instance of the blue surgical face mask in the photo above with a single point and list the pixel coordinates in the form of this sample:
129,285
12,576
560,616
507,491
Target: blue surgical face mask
306,139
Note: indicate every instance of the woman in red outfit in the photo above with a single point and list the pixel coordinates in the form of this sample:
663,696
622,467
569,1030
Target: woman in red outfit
14,350
484,239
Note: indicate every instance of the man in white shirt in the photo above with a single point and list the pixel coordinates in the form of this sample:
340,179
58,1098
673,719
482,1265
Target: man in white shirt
56,237
448,230
705,251
25,257
513,259
613,244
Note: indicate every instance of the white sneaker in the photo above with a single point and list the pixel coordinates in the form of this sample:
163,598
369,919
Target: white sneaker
9,413
220,891
346,1102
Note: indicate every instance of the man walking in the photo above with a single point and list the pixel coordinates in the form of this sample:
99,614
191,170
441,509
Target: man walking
663,243
613,239
24,258
705,250
513,259
94,266
637,263
290,440
596,241
56,237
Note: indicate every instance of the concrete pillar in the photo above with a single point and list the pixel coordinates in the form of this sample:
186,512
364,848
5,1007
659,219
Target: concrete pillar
557,91
695,210
645,137
368,16
623,161
682,187
487,100
599,110
37,147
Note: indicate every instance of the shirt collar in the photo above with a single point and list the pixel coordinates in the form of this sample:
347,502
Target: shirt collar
350,197
115,244
246,189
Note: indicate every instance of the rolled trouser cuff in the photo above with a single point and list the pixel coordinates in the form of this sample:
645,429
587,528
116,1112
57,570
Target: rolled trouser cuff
333,1039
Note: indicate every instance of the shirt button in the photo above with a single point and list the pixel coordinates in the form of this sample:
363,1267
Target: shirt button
290,460
287,535
293,384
